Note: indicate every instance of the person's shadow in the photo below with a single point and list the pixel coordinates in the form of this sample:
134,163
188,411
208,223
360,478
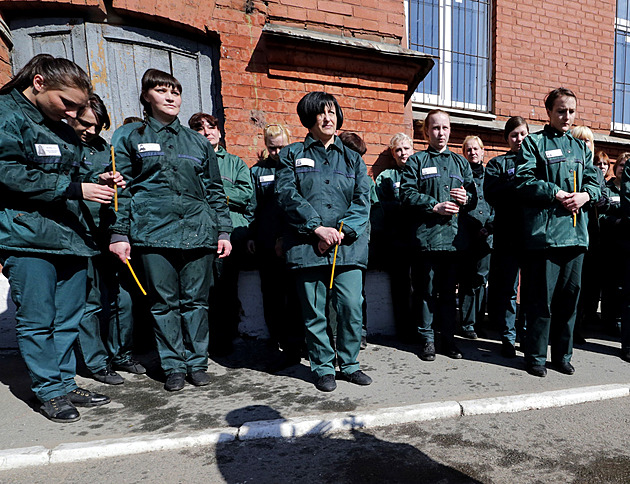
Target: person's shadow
353,457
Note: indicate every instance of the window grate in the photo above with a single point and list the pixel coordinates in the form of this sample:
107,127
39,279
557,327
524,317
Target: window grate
621,88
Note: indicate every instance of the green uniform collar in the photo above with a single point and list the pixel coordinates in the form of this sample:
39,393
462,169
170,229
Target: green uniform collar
310,141
220,152
156,126
433,152
554,133
28,107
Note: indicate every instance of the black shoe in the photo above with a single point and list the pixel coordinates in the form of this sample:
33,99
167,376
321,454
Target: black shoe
428,352
363,343
326,383
625,354
60,410
108,376
537,370
199,378
130,366
508,350
453,351
175,382
469,334
85,398
358,378
564,367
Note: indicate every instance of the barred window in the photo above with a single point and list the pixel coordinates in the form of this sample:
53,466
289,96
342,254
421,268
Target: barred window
458,32
621,92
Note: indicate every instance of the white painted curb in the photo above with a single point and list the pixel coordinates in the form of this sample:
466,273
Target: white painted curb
533,401
297,427
334,422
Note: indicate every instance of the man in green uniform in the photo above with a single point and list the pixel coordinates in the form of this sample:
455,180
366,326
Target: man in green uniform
320,185
555,178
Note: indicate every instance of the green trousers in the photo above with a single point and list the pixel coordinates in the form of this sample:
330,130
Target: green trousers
178,283
107,302
550,291
312,289
473,276
49,295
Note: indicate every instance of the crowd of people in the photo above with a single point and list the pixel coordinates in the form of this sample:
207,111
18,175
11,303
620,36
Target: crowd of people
457,233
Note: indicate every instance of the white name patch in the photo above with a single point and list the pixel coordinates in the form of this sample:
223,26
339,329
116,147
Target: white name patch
47,150
144,147
304,162
266,178
615,199
431,170
553,153
397,185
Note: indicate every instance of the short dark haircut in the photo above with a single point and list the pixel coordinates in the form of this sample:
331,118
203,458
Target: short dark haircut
196,121
96,104
513,123
154,78
353,141
550,99
315,103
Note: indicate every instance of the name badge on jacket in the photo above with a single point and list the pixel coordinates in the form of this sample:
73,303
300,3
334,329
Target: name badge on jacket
266,178
553,153
304,162
144,147
47,150
430,170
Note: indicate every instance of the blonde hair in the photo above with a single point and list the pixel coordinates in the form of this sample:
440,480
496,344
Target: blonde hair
622,158
467,139
399,138
584,133
273,131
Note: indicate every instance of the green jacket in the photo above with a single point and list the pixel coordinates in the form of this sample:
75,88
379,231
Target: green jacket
427,180
482,216
499,187
96,158
174,196
238,188
545,164
40,183
615,228
395,218
267,224
322,187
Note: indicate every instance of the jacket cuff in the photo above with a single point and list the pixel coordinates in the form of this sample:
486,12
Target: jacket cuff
118,238
224,236
74,191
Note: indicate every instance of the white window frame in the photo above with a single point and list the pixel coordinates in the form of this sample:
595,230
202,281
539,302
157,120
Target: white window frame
621,25
444,63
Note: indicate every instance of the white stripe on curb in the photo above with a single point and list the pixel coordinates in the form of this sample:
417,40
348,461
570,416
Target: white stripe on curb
75,452
533,401
334,422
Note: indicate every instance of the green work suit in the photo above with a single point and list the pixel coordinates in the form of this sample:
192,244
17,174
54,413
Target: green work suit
238,188
500,192
172,210
625,242
475,266
107,296
280,306
554,248
427,180
318,186
44,240
398,266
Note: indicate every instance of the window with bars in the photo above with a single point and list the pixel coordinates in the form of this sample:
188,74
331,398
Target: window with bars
621,90
458,32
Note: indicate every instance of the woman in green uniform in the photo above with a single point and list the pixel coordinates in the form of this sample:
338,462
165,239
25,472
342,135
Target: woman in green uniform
174,214
397,229
106,297
437,187
475,266
555,178
44,240
320,183
500,191
239,191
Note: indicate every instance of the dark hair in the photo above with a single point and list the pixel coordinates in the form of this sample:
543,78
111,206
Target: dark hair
196,121
315,103
353,141
150,79
513,123
56,71
95,103
550,99
433,112
132,119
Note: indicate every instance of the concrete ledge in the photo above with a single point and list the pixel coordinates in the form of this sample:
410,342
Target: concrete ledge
335,422
24,457
533,401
